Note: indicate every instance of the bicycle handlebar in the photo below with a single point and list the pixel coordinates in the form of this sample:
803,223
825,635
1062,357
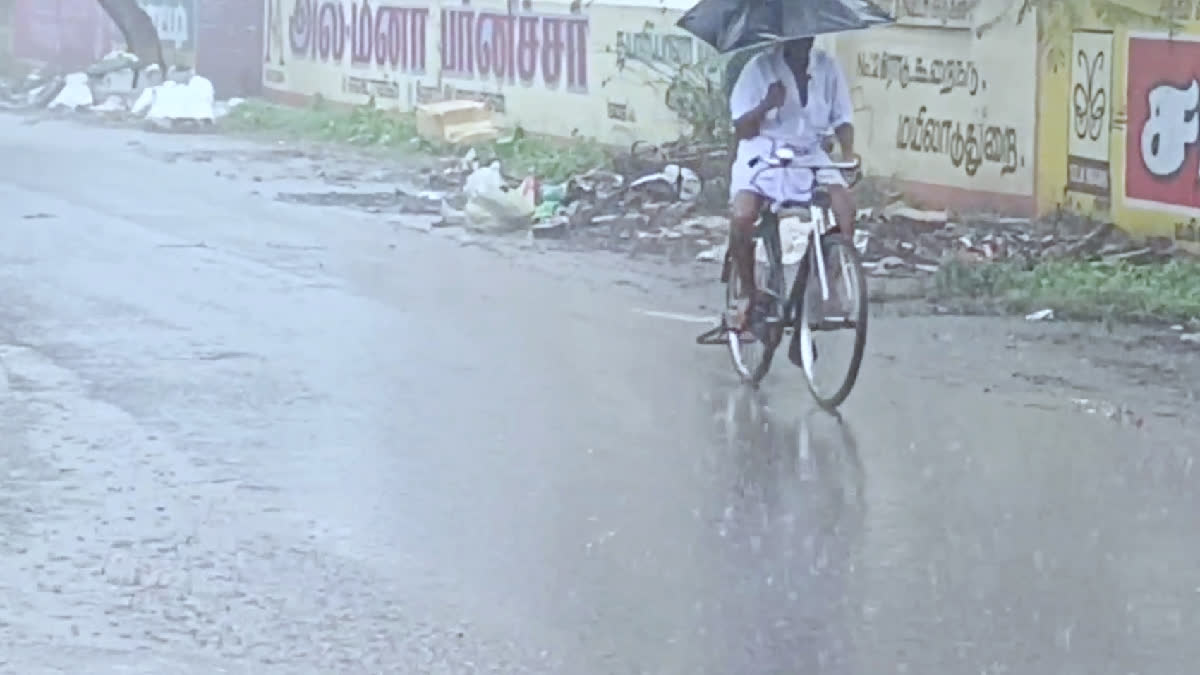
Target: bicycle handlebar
785,157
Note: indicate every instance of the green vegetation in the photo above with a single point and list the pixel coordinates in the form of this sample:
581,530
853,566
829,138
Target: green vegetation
551,160
367,126
1157,293
361,126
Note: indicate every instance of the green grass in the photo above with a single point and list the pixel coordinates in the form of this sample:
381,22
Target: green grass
360,126
1156,293
366,126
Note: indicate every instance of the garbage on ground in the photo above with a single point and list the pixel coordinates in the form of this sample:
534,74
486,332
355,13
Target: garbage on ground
554,227
172,103
118,74
456,122
924,240
900,210
674,198
111,104
118,86
1040,315
75,93
40,93
673,182
492,206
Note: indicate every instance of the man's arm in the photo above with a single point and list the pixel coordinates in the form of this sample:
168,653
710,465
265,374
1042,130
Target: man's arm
747,101
845,137
747,125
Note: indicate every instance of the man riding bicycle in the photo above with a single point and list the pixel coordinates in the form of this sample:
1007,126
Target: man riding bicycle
768,107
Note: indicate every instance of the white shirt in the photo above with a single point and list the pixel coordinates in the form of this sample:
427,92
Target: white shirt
828,107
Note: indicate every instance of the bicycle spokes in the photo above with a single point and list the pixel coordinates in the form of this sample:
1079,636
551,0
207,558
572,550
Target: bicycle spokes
831,330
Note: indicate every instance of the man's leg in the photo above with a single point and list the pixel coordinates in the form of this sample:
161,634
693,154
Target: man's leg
843,209
842,205
742,220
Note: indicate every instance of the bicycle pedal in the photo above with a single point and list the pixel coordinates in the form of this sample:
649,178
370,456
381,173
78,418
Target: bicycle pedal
713,336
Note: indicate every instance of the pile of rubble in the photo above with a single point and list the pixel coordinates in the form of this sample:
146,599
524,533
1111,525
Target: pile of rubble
662,209
900,237
118,87
673,201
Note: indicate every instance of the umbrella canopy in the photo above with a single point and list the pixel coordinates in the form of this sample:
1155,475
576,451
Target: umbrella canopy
730,25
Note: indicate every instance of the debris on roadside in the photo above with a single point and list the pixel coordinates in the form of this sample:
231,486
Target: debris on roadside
494,207
118,87
172,105
673,199
456,122
1041,315
923,239
75,93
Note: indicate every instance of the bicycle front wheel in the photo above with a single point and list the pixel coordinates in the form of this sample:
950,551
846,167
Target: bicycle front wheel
831,329
753,349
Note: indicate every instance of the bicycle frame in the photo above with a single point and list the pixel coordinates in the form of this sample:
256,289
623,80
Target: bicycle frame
792,309
783,158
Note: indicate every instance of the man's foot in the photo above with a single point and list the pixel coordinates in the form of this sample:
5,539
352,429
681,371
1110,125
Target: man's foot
739,314
749,316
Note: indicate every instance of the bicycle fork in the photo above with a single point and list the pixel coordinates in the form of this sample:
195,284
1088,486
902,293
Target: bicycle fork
818,219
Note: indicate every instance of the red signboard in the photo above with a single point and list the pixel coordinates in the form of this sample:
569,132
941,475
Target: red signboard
1162,138
70,34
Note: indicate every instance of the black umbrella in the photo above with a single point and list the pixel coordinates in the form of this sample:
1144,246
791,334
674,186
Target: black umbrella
729,25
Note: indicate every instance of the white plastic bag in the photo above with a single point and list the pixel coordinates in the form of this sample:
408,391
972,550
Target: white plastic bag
483,180
173,101
491,207
75,93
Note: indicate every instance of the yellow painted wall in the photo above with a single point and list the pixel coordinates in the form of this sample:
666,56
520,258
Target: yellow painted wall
1076,92
924,87
1061,67
552,67
938,106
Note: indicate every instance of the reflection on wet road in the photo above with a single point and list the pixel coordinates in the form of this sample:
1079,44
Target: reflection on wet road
793,519
245,436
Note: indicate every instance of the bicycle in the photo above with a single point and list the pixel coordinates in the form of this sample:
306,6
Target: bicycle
799,311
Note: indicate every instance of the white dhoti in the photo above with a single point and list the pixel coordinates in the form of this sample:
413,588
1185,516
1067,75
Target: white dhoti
790,183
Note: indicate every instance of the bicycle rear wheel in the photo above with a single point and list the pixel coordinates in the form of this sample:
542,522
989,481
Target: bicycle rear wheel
832,314
752,350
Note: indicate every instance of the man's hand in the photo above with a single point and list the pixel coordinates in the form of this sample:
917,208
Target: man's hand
852,175
775,96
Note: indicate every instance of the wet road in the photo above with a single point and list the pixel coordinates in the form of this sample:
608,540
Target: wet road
245,436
